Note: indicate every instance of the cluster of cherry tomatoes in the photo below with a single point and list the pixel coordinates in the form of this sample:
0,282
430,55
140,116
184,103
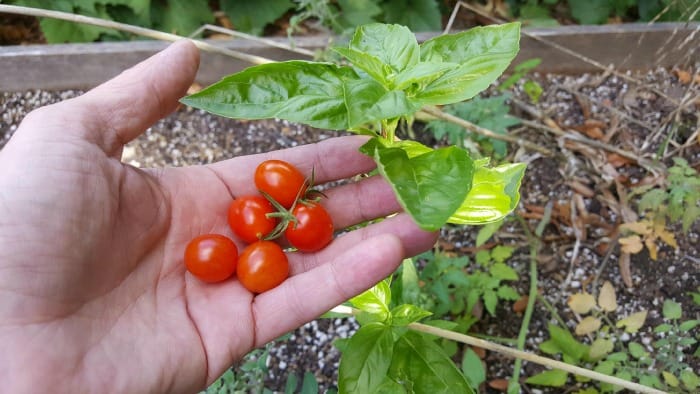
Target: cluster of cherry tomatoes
284,207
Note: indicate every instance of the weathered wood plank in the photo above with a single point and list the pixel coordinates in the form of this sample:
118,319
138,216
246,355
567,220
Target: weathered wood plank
80,66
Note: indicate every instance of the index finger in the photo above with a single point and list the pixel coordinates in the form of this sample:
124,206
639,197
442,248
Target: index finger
332,159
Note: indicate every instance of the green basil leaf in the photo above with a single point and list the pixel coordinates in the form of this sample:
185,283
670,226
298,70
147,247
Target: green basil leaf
483,53
370,64
406,314
299,91
374,301
493,195
425,365
422,73
394,45
409,282
366,359
412,148
390,386
430,186
478,41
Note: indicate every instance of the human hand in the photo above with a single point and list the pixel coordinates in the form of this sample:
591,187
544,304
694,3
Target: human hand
94,293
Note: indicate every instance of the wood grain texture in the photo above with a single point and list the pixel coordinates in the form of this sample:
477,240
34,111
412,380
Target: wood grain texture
81,66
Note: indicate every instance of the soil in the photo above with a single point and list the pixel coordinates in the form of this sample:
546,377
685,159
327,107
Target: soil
585,186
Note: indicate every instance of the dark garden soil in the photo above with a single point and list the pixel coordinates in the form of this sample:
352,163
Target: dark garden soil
586,187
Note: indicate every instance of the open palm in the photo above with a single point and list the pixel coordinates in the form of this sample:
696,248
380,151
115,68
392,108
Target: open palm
94,296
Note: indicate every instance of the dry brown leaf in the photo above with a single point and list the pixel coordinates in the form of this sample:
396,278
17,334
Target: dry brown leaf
684,77
618,161
582,189
633,322
499,384
631,245
520,305
607,300
194,88
549,122
480,352
625,271
665,235
651,247
588,325
595,133
642,227
581,303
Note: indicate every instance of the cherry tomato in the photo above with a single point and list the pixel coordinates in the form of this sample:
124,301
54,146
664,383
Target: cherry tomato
262,266
248,220
313,230
281,180
211,257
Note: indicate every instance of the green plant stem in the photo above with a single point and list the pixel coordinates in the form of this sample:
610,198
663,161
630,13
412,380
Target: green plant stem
141,31
551,310
434,111
532,296
515,353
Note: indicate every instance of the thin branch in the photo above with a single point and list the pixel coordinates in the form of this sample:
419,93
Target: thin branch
510,352
573,136
141,31
514,353
266,41
610,108
482,131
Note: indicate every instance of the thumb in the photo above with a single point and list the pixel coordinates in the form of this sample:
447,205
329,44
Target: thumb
119,110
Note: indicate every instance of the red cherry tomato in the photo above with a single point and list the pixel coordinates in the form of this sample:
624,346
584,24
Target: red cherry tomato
313,230
281,180
211,257
262,266
248,220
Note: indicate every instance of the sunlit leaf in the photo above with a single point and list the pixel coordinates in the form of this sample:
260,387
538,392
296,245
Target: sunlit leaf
494,194
641,227
633,322
581,303
631,244
406,313
670,379
374,301
607,300
588,325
